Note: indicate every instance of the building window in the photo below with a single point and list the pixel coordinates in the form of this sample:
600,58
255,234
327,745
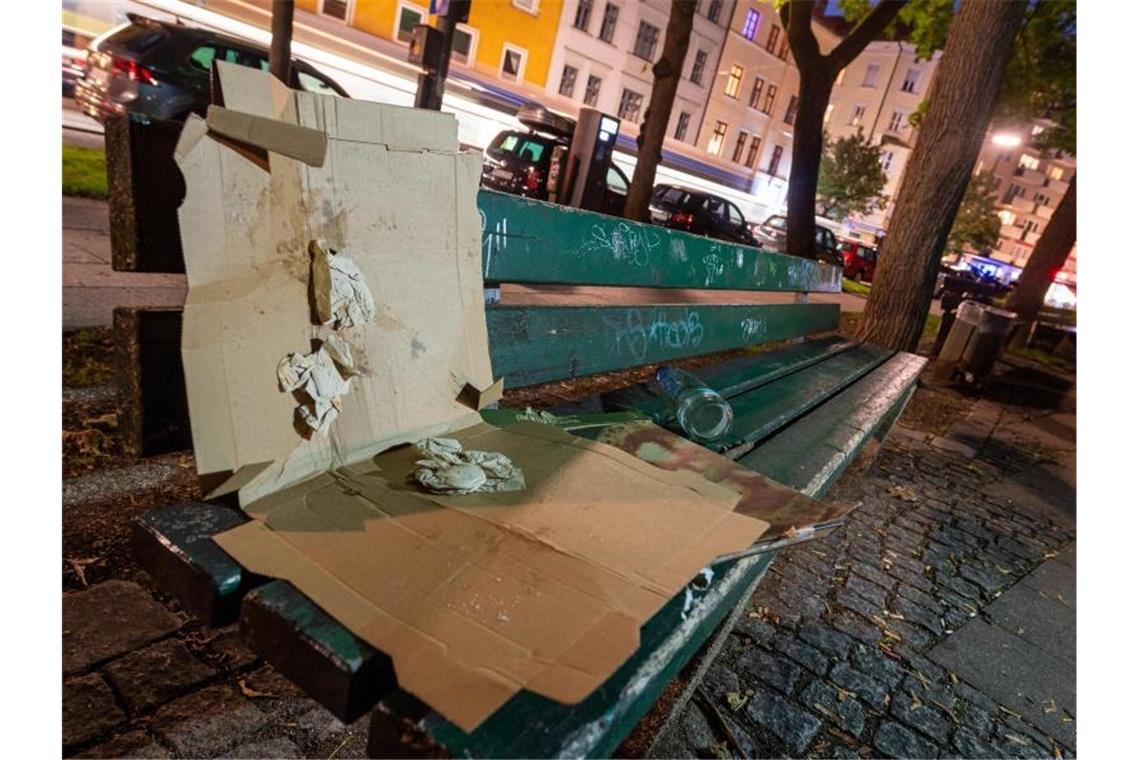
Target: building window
1056,173
773,38
738,151
646,43
827,113
463,45
716,142
857,115
682,126
1007,217
871,76
896,123
582,15
530,6
783,52
699,61
910,81
609,23
513,63
732,87
769,99
593,87
1042,199
569,78
715,7
336,9
790,114
1028,162
757,93
886,160
774,160
630,106
406,20
753,152
751,23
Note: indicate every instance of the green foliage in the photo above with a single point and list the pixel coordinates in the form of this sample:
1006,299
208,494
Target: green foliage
1041,80
84,172
856,288
926,24
851,178
977,224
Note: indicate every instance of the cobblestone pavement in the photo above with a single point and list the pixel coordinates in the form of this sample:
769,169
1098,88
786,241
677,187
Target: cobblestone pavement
836,657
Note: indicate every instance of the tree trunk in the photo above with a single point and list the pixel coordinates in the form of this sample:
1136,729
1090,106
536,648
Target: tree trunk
282,40
666,75
1048,257
807,153
962,101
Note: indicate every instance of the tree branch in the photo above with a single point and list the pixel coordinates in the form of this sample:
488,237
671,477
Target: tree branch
796,18
868,29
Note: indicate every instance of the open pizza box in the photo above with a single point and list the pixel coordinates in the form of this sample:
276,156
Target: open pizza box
334,316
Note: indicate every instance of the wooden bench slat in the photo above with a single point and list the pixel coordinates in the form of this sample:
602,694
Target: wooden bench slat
812,454
527,241
536,344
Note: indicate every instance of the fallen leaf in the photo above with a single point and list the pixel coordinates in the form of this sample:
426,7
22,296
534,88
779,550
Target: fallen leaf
735,700
251,693
78,567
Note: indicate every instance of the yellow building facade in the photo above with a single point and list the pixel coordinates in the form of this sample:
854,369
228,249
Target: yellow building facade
511,40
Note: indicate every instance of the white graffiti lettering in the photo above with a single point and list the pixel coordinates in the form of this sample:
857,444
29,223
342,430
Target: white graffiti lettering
641,329
632,245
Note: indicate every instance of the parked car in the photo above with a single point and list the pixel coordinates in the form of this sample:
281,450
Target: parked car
773,233
858,260
529,163
700,213
162,70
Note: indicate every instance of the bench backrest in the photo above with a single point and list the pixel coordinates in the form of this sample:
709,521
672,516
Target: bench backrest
531,242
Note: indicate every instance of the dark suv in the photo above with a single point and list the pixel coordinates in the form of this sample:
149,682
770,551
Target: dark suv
700,213
531,163
162,70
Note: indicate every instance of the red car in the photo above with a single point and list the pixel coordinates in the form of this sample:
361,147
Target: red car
858,260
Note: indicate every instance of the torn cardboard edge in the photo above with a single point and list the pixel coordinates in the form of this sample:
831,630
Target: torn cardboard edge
306,145
477,399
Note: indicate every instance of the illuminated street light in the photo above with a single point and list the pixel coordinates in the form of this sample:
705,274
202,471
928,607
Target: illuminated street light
1006,141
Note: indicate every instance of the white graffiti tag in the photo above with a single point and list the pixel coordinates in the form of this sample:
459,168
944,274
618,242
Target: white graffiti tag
642,329
751,327
633,245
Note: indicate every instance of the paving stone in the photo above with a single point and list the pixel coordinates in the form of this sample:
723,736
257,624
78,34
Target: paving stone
1013,744
108,620
156,674
873,662
978,720
895,740
857,627
719,680
846,713
804,654
988,579
89,709
131,744
920,598
209,722
791,723
846,598
757,631
969,744
959,586
929,721
270,748
774,670
870,689
826,639
872,592
912,634
910,578
918,614
230,652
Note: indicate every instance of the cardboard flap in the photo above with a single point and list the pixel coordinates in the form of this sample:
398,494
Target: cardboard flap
301,143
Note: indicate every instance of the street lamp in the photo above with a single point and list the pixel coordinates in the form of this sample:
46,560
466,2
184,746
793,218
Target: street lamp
1006,140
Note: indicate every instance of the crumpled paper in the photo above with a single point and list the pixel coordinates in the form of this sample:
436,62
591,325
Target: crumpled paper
341,297
323,376
446,468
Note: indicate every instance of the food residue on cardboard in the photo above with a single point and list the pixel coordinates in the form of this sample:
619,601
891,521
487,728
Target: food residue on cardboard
447,468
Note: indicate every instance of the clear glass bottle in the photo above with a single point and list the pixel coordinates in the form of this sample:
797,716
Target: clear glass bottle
700,411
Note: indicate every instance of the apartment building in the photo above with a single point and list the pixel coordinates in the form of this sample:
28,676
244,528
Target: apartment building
751,109
1031,183
604,55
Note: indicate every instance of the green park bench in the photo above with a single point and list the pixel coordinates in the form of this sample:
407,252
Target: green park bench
805,412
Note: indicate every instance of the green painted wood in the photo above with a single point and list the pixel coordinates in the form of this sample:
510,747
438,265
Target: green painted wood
537,344
533,242
812,454
532,726
733,377
761,412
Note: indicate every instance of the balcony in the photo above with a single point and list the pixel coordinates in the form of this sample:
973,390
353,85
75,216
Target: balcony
1012,232
1031,238
1044,212
1022,204
1029,177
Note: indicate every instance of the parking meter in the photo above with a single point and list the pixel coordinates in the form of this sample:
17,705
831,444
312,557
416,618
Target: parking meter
588,159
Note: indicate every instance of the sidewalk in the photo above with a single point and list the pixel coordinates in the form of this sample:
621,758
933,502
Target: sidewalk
941,621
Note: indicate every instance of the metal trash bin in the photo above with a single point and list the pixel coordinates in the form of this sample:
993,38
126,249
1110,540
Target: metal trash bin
974,343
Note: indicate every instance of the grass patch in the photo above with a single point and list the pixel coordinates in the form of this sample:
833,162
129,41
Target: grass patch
88,357
856,288
930,326
84,172
1038,356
